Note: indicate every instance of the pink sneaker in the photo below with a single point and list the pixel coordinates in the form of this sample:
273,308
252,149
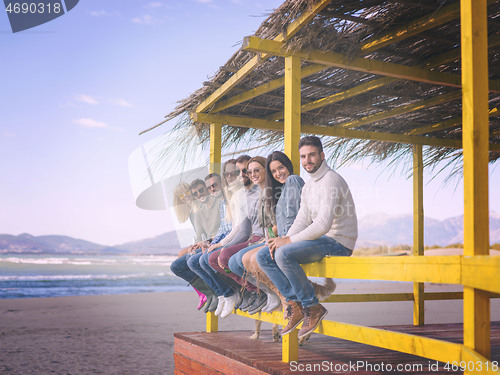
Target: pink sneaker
203,300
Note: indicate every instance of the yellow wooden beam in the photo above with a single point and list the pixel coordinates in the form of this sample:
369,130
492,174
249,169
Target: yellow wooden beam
422,104
212,323
427,22
451,123
475,134
349,93
397,341
365,65
290,347
374,84
291,30
292,110
263,89
249,122
387,297
418,230
417,26
215,148
480,272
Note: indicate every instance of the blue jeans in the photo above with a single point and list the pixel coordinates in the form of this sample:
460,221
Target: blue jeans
286,273
180,268
209,276
236,261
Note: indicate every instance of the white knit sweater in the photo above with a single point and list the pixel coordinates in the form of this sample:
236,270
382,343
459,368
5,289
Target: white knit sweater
326,208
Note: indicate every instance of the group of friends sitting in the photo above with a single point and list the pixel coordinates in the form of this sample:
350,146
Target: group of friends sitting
254,228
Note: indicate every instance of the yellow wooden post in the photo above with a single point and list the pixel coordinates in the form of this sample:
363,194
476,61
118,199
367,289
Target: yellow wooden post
418,230
212,322
215,148
475,143
292,110
290,347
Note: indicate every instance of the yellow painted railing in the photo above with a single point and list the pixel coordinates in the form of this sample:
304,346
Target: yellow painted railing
480,272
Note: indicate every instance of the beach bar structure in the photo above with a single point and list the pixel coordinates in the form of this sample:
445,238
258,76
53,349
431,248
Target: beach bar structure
381,79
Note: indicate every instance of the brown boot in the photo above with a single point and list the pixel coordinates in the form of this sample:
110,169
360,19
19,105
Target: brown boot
294,316
312,317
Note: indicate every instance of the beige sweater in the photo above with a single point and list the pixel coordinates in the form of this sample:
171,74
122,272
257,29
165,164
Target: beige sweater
326,208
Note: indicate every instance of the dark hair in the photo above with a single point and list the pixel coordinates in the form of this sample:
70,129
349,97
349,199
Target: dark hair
213,175
273,187
311,140
243,159
196,183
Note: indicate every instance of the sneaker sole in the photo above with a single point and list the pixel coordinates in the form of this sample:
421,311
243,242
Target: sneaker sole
291,329
257,309
316,326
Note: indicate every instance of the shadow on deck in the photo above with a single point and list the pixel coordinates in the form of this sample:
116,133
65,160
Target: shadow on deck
233,352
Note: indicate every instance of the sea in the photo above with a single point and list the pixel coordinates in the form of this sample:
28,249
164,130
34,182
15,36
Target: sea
33,276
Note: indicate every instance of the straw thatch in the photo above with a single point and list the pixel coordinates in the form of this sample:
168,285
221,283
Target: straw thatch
342,27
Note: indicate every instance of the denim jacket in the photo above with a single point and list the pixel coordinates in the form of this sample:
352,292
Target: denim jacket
288,204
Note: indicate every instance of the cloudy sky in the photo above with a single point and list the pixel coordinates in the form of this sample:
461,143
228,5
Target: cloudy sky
75,93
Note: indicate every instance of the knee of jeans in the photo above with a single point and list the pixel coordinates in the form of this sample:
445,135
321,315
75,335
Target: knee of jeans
263,257
233,264
280,257
193,262
176,266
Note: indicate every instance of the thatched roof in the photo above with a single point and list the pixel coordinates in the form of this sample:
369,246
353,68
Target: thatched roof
348,27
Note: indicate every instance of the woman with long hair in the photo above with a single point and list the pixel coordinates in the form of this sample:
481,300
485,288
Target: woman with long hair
282,201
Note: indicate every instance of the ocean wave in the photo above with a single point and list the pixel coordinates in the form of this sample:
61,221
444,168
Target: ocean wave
82,277
92,261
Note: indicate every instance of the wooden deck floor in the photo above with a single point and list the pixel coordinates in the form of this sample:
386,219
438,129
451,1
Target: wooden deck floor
235,353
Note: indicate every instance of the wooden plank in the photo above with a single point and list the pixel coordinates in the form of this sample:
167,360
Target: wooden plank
292,110
212,322
422,104
263,89
265,355
365,65
290,346
215,148
250,122
446,124
222,364
418,231
475,134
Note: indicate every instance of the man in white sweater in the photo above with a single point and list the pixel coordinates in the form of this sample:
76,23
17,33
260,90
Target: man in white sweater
326,225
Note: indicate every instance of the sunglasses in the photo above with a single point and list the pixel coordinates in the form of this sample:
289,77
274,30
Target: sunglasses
256,171
214,186
199,192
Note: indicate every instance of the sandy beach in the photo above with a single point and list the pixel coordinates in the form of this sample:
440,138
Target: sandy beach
133,334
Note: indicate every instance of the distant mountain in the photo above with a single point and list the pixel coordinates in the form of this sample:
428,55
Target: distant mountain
166,243
26,243
374,230
384,229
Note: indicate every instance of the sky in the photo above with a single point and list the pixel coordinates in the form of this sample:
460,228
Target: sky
75,93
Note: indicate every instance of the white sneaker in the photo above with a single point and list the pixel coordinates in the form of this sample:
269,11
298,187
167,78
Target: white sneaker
220,305
273,301
229,304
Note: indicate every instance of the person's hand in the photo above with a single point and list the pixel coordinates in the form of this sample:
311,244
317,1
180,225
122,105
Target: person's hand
212,247
276,242
192,248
